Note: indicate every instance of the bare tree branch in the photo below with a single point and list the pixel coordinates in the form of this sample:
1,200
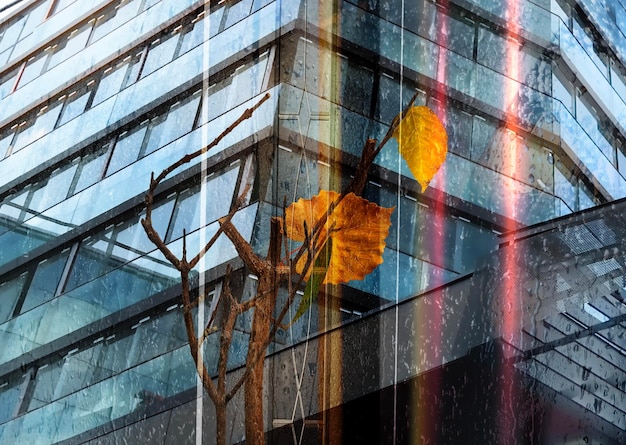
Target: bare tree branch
251,259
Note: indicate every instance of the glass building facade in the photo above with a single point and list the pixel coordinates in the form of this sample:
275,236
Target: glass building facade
498,313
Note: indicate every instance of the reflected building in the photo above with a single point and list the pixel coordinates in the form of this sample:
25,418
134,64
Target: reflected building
498,314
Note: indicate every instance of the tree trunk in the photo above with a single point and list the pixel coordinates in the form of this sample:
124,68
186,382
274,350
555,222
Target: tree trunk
220,423
255,361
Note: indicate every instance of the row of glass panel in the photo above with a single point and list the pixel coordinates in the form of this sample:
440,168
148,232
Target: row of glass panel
476,164
600,72
100,87
26,133
609,20
90,57
99,404
415,225
142,94
112,269
111,354
101,175
450,28
32,27
163,48
415,231
601,118
70,43
372,93
74,175
536,110
127,369
21,25
493,50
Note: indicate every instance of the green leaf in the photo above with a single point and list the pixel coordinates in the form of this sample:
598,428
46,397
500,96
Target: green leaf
312,289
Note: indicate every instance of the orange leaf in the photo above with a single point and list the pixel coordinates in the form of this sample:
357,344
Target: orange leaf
423,143
358,229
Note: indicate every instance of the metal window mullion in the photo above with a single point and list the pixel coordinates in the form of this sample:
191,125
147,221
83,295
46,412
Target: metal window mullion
66,270
215,297
109,153
26,393
142,62
19,302
170,221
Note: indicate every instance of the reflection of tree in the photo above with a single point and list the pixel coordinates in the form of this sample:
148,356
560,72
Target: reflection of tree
342,238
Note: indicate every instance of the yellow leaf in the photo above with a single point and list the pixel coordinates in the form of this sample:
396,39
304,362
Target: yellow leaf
358,229
423,143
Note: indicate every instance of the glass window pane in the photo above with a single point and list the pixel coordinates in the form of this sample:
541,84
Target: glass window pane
585,117
193,37
12,208
126,149
161,52
11,34
217,97
459,132
35,17
74,43
247,81
621,162
133,72
587,43
491,50
61,4
11,392
131,238
618,80
482,136
459,37
461,73
5,142
388,103
114,17
178,122
91,260
188,207
74,106
54,190
110,83
10,291
45,281
104,24
43,125
33,68
561,92
564,186
215,20
237,12
45,384
4,57
90,170
258,4
7,83
585,198
355,86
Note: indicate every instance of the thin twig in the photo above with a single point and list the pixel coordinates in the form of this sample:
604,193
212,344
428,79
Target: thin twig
149,198
187,158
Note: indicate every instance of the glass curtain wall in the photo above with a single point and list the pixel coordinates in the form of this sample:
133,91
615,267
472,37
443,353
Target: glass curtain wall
90,311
